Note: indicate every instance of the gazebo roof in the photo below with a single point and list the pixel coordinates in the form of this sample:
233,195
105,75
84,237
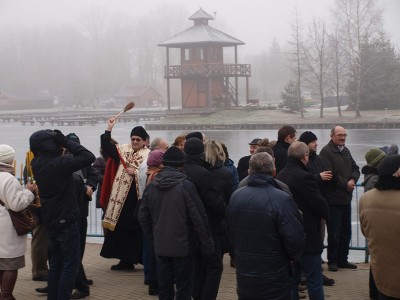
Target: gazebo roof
200,33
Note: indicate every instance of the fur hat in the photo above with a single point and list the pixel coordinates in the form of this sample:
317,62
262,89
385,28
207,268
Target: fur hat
43,141
195,134
255,141
140,132
374,156
174,157
307,137
193,146
155,158
73,137
389,165
7,154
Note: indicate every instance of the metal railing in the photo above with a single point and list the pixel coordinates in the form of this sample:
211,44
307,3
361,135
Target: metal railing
358,241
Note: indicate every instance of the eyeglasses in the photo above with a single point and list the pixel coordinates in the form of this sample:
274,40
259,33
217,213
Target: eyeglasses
136,139
342,135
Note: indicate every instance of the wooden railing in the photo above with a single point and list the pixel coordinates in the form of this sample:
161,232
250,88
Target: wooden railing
216,70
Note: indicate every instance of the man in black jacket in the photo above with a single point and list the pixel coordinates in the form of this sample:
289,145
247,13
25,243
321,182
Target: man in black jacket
286,136
208,267
314,207
60,213
266,232
339,194
173,218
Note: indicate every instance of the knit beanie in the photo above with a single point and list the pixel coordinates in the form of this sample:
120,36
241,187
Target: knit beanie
389,165
140,132
155,158
374,156
307,137
73,137
193,146
7,154
174,157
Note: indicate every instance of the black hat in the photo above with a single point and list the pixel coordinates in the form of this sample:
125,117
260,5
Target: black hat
173,157
389,165
195,134
307,137
43,141
255,142
139,131
73,137
193,146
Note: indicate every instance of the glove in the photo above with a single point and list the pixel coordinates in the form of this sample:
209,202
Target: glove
60,137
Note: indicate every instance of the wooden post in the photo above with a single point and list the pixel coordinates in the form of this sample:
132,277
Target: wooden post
168,87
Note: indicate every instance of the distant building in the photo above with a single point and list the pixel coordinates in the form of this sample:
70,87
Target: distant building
41,100
142,96
205,78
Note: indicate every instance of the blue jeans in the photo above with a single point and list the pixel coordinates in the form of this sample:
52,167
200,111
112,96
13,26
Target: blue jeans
178,270
64,261
310,264
339,233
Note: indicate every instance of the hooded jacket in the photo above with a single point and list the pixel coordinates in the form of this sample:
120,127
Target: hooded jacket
54,176
173,216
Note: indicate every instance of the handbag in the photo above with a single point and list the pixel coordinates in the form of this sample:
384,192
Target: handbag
24,221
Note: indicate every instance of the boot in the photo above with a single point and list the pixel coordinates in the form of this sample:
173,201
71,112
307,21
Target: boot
7,284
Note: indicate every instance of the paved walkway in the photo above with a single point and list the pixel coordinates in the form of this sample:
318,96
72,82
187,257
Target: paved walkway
121,285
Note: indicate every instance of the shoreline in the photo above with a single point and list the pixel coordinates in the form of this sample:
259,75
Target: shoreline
259,119
235,118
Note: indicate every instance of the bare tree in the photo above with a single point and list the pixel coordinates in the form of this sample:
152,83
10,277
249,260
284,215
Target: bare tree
339,67
316,60
358,21
296,54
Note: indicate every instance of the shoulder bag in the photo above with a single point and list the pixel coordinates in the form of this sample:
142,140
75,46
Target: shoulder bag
24,221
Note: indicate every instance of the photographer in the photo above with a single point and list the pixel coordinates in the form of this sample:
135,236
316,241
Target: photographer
54,177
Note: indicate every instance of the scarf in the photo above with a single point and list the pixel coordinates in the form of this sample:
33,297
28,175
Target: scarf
122,182
6,168
151,172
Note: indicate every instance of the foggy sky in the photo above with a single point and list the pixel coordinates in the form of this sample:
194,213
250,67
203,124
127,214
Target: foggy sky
256,22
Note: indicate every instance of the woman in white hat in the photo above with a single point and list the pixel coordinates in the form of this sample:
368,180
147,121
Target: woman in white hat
12,246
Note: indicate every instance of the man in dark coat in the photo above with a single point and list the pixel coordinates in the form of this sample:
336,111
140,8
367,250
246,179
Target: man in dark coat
339,194
314,207
286,136
243,164
174,219
208,267
60,212
266,232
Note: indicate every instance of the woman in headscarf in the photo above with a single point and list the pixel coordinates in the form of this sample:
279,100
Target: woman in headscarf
12,246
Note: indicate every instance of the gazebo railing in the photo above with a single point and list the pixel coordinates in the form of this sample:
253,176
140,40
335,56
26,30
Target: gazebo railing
217,70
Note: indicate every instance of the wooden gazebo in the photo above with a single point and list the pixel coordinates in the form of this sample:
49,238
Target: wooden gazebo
204,76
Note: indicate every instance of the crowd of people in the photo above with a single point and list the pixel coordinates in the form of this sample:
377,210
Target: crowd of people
179,209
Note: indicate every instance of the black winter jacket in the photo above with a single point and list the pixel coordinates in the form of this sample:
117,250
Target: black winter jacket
54,176
266,232
308,198
172,215
195,169
343,168
281,154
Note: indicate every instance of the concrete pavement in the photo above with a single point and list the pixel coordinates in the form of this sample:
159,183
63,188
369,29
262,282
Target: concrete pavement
121,285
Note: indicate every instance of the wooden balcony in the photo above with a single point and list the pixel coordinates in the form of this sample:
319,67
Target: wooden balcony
207,70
